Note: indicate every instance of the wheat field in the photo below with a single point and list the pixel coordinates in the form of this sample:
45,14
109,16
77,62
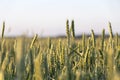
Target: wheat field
70,58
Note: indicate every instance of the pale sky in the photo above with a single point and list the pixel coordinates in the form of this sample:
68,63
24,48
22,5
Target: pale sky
48,17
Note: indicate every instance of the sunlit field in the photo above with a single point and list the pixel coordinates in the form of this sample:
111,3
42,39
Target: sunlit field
68,58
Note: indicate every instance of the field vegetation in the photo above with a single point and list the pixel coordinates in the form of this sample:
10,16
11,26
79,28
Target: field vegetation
86,58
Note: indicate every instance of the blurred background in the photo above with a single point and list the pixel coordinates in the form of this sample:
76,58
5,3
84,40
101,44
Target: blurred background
48,17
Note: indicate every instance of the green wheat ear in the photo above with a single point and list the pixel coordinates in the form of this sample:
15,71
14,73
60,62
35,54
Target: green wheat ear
68,32
93,38
33,41
117,39
103,39
3,29
110,30
49,43
67,29
111,34
73,29
83,42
